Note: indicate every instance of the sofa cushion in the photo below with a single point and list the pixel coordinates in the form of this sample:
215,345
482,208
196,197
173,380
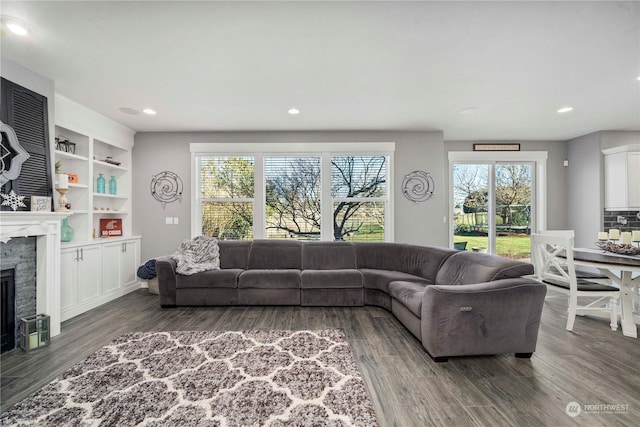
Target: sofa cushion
328,256
234,253
275,255
352,297
270,279
465,268
422,261
408,294
210,279
380,279
252,296
330,279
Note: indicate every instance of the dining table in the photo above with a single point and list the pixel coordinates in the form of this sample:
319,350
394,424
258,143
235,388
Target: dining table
621,269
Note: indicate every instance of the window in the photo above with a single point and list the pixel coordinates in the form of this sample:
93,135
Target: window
226,194
292,197
497,200
359,196
330,192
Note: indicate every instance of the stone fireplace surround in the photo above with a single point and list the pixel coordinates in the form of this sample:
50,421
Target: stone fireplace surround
18,265
46,227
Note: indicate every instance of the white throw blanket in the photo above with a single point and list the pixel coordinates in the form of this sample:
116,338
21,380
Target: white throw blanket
196,255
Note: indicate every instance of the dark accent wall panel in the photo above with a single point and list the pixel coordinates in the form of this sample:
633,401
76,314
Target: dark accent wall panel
27,113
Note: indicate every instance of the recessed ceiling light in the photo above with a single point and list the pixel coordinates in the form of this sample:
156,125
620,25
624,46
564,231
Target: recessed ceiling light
149,111
128,110
565,109
293,111
17,26
638,77
468,110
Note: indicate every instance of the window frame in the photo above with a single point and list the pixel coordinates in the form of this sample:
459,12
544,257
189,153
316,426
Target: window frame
539,182
202,200
323,150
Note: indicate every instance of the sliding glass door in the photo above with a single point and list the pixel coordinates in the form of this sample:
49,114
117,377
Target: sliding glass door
493,206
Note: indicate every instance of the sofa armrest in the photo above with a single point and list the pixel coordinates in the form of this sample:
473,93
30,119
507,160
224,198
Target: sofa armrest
166,271
501,316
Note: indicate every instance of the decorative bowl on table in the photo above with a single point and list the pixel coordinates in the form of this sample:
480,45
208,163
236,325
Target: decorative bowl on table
618,249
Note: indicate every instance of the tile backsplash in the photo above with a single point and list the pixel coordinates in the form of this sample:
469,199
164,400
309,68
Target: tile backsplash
617,219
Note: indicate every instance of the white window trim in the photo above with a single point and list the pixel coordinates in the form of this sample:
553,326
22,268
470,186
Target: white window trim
357,148
324,150
540,191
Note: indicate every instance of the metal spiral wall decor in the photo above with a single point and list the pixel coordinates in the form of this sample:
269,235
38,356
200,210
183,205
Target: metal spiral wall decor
418,186
166,187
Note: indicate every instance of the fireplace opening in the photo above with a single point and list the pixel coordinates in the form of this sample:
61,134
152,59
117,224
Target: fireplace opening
8,310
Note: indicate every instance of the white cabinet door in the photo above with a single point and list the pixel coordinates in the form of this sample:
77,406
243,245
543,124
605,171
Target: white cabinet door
130,259
89,272
622,178
615,181
111,267
119,263
80,280
633,169
68,279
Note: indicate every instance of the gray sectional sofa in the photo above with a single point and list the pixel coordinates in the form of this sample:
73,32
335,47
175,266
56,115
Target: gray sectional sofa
456,303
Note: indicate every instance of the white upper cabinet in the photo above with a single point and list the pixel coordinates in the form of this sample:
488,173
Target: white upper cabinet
622,178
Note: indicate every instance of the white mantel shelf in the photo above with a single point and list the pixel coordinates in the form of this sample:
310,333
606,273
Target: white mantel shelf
24,223
46,227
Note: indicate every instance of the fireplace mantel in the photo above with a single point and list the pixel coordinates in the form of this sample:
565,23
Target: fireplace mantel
46,227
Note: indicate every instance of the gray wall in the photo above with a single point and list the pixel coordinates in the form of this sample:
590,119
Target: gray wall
420,223
585,181
556,195
18,74
585,188
617,138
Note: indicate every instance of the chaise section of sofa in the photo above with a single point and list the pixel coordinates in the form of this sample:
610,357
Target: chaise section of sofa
501,316
479,307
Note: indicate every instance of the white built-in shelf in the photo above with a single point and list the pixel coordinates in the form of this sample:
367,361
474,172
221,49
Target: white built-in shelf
109,196
111,212
70,155
75,185
109,165
96,139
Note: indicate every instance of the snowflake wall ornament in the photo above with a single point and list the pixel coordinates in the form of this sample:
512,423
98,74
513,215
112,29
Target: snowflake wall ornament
13,200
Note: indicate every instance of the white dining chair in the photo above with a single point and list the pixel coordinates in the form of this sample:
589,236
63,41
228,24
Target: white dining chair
552,257
580,273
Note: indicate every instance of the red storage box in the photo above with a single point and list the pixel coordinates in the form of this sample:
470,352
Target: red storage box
110,227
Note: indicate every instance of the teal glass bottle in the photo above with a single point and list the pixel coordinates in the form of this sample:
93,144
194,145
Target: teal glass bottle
66,232
113,185
100,184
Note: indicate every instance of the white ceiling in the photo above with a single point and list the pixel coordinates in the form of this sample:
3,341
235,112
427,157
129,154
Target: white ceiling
231,66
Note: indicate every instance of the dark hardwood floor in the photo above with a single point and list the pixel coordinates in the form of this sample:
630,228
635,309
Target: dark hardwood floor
591,365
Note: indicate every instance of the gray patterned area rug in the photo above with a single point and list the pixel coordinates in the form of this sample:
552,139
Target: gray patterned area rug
201,378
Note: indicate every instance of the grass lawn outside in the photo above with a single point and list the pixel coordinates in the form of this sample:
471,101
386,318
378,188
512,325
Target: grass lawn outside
506,246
